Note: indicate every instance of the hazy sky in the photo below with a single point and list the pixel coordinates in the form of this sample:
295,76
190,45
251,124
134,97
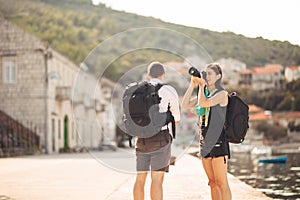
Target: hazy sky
270,19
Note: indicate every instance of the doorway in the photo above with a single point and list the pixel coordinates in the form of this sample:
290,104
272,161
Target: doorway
66,133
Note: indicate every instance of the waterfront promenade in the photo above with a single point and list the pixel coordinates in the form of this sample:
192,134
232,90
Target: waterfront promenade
81,176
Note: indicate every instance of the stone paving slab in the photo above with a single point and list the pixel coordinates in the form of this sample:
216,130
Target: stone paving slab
187,180
58,177
81,177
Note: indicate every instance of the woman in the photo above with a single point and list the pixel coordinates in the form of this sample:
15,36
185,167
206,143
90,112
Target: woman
210,106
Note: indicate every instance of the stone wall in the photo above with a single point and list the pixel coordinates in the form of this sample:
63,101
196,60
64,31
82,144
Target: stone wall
42,92
23,102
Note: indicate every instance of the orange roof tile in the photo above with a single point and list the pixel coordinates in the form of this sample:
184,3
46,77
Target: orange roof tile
268,69
293,114
259,116
294,68
274,66
246,71
257,113
253,108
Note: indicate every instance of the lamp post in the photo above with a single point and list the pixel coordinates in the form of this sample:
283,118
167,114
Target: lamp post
51,75
47,56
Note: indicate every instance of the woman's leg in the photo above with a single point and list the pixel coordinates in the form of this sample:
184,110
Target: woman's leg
220,175
208,167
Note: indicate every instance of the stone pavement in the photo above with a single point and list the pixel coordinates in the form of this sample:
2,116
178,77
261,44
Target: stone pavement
187,180
81,176
58,177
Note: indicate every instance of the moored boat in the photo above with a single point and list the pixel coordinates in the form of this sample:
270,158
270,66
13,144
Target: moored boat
281,159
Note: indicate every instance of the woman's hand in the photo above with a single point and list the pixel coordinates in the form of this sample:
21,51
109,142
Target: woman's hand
197,81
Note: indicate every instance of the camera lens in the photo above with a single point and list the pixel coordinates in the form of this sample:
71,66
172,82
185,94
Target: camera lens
194,72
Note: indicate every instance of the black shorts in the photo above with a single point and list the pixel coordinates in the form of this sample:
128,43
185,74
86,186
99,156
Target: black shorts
154,153
220,149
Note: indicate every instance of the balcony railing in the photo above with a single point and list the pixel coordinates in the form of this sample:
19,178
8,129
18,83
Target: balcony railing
15,138
63,93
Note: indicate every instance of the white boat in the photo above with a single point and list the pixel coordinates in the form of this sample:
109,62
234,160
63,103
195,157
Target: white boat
241,148
261,150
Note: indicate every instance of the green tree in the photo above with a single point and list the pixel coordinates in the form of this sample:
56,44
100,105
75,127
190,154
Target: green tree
271,131
296,102
286,103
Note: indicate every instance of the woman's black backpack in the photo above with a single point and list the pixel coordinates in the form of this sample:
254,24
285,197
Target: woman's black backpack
237,119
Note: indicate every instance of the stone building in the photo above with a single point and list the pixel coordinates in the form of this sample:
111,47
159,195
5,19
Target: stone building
264,78
231,71
292,73
40,86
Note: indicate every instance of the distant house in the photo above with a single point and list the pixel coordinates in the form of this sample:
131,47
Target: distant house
284,118
43,87
246,78
291,121
292,73
258,114
231,70
263,78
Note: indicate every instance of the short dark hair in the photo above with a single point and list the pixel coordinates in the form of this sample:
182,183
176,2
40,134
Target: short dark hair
156,69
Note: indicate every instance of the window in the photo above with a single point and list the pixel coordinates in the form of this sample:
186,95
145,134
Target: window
9,70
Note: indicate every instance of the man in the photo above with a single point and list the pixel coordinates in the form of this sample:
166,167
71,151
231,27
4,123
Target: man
153,154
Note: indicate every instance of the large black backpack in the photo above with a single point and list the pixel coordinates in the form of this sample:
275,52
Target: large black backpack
237,119
141,110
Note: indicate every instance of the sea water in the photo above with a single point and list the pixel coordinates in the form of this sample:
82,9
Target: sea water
278,181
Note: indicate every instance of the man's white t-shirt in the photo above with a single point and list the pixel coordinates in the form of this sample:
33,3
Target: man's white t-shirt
168,95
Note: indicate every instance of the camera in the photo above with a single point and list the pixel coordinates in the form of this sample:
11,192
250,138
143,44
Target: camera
195,72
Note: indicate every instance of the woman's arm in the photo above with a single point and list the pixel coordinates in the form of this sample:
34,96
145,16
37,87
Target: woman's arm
219,98
189,101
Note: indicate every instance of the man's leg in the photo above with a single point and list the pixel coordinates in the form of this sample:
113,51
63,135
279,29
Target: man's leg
138,189
156,190
160,161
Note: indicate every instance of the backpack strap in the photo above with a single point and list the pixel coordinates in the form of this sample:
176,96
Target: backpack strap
170,117
158,86
172,120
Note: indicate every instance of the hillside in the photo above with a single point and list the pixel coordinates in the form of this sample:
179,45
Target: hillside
75,27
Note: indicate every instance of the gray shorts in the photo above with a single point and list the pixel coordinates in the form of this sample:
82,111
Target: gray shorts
153,154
